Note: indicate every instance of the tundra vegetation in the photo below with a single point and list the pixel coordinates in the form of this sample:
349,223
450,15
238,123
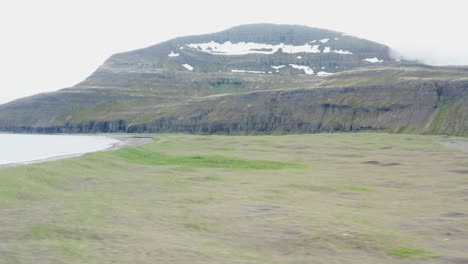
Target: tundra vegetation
316,198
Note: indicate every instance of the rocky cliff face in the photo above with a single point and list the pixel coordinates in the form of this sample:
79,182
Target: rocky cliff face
439,107
435,107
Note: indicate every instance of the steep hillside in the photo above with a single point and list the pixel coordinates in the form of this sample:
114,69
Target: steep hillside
436,107
131,96
239,80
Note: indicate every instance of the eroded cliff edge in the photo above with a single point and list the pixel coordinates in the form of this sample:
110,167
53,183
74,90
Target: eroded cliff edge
436,107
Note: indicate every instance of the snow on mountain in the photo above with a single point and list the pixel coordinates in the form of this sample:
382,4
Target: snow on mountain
172,54
244,71
188,67
342,52
323,73
373,60
278,67
244,48
307,70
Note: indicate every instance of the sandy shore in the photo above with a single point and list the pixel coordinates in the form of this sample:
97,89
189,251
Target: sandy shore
124,140
129,140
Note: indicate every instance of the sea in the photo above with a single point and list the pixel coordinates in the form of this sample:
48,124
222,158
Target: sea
25,148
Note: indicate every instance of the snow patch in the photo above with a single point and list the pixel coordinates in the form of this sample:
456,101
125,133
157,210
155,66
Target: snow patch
243,71
323,73
342,52
181,48
243,48
172,54
306,48
324,40
336,38
299,57
278,67
188,67
373,60
328,50
307,70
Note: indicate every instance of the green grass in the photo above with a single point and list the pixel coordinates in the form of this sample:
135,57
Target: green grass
146,157
196,224
448,114
224,149
413,253
74,252
275,199
307,187
353,189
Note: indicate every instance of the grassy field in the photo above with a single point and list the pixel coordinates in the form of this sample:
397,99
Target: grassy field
322,198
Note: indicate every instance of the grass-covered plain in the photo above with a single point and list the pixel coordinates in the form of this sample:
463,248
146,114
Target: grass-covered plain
323,198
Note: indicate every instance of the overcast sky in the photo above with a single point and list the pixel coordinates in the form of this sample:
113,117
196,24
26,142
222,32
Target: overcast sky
52,44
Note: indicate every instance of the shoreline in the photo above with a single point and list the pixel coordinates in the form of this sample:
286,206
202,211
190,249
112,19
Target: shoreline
124,140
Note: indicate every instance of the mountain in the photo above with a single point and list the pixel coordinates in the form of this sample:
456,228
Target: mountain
258,48
253,78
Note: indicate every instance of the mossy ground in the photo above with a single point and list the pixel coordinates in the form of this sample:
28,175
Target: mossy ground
412,253
323,198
